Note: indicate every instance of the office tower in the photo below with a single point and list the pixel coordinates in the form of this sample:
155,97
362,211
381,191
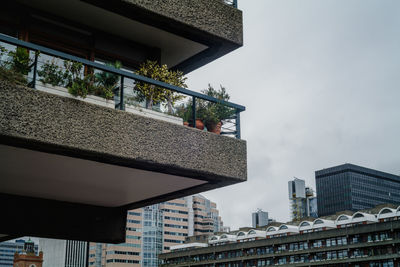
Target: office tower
155,229
63,253
352,187
9,248
259,218
302,200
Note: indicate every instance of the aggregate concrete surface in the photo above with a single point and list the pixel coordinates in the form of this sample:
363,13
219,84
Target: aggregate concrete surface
75,128
212,16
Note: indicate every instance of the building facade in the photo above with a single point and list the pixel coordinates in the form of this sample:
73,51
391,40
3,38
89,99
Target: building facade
363,239
9,248
259,218
154,229
63,253
351,187
28,257
303,202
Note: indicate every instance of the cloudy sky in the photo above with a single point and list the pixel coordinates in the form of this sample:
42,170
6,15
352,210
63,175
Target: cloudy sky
321,83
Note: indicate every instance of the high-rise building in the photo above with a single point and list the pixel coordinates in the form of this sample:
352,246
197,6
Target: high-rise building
28,257
259,218
9,248
152,230
352,187
302,200
63,253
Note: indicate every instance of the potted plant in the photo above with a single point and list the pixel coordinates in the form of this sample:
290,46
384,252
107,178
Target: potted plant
154,94
213,114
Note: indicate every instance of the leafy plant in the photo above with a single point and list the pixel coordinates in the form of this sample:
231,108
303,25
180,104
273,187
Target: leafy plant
78,84
156,94
8,74
20,61
107,82
212,113
51,73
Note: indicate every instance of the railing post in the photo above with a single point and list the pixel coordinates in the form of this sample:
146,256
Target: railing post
237,124
194,112
235,3
121,94
33,84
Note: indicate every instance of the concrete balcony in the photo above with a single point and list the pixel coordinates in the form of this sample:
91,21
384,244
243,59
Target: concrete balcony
78,167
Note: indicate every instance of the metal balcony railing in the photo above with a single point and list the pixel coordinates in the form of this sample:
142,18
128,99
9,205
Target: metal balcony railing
127,83
233,3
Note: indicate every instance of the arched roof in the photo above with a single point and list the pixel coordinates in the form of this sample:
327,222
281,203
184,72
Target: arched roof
305,225
343,219
213,239
287,228
272,229
321,223
363,217
256,233
386,213
283,227
241,233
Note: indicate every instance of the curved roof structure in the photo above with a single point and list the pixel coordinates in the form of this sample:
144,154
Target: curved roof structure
363,217
286,228
321,223
256,233
305,225
386,213
241,235
343,219
316,225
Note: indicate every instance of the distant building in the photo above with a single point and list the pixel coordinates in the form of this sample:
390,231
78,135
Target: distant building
362,239
9,248
303,203
259,218
154,229
28,257
352,187
63,253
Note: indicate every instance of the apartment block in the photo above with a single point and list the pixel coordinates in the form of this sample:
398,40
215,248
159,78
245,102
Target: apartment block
154,229
368,238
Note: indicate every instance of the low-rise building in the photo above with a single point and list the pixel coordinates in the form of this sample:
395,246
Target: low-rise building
365,238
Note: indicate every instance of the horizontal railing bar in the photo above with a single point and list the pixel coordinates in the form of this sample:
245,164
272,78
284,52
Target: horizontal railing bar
134,76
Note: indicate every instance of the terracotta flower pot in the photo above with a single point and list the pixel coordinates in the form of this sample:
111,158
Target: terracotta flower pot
199,124
215,128
185,123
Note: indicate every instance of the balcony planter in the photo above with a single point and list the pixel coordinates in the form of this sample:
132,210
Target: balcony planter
153,114
61,91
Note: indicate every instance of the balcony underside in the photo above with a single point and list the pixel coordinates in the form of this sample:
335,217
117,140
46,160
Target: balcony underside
188,34
62,157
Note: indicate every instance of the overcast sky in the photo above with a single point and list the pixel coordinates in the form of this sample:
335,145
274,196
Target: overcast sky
321,83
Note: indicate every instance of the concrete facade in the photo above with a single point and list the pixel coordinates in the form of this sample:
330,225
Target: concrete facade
376,244
71,127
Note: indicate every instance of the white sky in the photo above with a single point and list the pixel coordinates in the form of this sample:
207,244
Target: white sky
320,80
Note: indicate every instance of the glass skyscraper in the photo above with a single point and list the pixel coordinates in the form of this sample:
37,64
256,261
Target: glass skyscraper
352,187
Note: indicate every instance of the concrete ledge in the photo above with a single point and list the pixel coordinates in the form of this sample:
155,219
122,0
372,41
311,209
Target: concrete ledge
50,123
